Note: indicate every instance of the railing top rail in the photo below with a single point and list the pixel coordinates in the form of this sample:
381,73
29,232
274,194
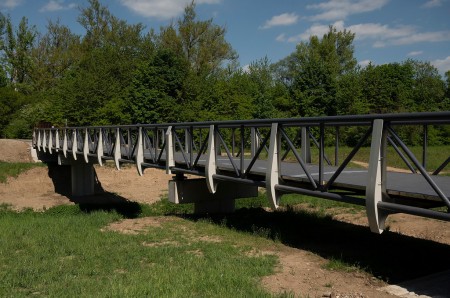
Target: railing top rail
397,118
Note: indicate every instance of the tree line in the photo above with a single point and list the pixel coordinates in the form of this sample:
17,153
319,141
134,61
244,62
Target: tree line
121,73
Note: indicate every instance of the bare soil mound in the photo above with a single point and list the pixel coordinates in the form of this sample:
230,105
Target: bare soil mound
15,151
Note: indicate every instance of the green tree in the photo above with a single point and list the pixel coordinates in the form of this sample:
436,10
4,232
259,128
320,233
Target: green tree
388,88
92,90
16,45
10,102
203,42
428,87
156,86
312,71
57,50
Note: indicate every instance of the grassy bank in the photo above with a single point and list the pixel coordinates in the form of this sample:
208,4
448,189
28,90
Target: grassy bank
65,251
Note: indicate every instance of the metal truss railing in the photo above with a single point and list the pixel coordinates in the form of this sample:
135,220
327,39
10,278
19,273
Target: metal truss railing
271,153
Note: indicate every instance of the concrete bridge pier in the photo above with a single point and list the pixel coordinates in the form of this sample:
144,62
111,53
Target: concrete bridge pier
82,176
182,191
83,179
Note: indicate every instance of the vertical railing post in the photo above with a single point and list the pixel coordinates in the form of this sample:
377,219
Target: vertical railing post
117,149
273,170
321,154
170,158
186,141
191,145
305,150
86,146
425,146
44,141
139,153
376,182
211,162
233,141
58,145
254,141
100,147
336,147
74,144
65,143
242,160
50,141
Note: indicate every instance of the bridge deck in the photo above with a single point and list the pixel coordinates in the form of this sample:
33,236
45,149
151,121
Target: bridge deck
407,185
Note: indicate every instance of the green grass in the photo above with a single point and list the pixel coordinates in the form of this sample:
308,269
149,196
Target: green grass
435,157
320,206
8,169
337,264
63,253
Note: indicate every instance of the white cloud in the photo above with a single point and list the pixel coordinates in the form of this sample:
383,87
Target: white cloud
436,36
364,63
281,37
379,31
10,3
433,3
414,53
340,9
246,68
443,65
161,9
316,29
284,19
381,35
55,5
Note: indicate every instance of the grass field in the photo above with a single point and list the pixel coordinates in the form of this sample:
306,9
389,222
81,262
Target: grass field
63,252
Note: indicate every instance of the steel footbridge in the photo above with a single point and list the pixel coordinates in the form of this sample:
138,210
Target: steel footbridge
232,159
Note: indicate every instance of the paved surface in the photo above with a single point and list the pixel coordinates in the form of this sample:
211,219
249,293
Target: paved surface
400,184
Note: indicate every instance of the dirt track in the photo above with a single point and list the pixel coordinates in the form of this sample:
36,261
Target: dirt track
300,271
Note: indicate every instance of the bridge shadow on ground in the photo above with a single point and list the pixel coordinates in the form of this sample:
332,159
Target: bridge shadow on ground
102,200
390,256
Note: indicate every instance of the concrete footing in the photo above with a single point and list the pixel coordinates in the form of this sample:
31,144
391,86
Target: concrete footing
182,191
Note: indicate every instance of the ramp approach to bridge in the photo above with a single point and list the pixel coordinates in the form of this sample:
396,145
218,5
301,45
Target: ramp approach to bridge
233,158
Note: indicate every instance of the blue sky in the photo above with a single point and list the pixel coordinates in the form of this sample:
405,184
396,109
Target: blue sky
386,30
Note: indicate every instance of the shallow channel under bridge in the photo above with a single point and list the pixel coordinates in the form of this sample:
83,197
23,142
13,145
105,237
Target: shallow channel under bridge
232,159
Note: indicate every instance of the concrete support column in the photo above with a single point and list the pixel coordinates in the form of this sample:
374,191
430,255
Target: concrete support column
182,191
83,179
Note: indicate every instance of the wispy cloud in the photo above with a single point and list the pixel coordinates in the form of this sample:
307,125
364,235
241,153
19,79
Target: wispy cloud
284,19
432,3
414,53
443,65
316,29
281,37
56,5
340,9
161,9
10,4
382,35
